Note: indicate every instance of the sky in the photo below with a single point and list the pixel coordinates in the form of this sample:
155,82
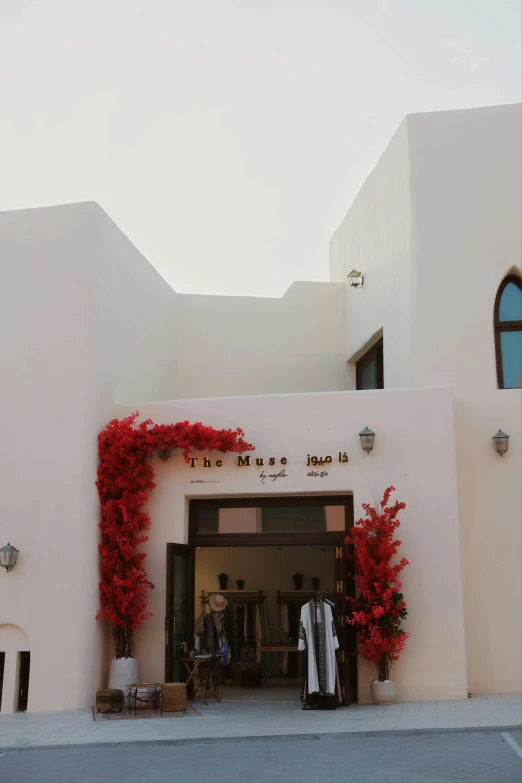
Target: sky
228,138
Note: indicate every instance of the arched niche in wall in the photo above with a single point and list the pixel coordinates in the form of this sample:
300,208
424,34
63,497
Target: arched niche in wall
14,668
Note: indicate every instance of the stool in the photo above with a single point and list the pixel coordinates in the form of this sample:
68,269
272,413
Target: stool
174,697
109,700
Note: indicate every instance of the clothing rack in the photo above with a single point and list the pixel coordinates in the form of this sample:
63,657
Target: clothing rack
242,596
300,596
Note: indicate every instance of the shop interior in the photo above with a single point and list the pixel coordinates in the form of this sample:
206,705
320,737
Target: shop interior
265,588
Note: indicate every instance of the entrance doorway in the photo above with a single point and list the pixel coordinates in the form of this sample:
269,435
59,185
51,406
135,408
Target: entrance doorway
262,542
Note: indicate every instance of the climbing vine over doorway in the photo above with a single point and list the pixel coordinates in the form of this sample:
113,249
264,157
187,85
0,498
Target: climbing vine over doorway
125,481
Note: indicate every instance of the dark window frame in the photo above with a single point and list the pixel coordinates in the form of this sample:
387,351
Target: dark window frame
214,527
504,326
376,353
335,537
266,519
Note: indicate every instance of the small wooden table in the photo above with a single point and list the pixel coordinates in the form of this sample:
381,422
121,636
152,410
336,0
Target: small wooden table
206,679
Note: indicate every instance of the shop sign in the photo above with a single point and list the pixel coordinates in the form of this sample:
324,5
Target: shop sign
248,461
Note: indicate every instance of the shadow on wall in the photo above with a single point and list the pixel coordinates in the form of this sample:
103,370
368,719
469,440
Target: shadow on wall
14,669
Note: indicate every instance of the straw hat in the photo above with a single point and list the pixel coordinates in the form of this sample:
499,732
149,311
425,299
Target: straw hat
217,603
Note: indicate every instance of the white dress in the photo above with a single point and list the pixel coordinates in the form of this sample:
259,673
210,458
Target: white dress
317,635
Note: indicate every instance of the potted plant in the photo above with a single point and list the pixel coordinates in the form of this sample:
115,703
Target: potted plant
379,608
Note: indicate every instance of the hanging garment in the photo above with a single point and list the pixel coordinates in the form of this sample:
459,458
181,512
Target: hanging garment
259,633
334,609
264,623
286,627
210,637
217,622
293,630
266,635
251,623
228,625
240,629
318,637
224,650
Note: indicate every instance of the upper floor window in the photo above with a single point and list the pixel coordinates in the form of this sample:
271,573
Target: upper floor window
508,333
369,370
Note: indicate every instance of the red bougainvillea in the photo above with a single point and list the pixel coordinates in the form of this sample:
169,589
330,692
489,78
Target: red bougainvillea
125,481
379,608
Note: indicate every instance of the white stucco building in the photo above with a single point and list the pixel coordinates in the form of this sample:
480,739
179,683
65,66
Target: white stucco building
90,331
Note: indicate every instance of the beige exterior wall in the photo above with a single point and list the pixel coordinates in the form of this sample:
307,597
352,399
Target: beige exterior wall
375,238
89,330
85,321
465,240
434,230
75,296
231,346
414,451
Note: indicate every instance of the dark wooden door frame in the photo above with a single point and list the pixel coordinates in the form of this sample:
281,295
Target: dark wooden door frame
23,680
185,551
2,669
331,538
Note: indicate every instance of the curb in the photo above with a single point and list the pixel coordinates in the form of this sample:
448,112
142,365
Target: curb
259,738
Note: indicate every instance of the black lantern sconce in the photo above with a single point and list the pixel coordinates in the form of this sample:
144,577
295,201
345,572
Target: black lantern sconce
501,441
164,454
367,437
8,555
356,279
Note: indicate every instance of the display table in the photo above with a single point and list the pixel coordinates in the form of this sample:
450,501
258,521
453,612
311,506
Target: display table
207,684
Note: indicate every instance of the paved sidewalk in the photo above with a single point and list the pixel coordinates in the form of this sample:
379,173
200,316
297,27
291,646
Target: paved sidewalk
257,718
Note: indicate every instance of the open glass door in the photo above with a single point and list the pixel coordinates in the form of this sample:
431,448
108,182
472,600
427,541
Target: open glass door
179,619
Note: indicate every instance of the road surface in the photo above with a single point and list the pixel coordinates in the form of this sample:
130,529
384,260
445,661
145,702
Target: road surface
489,756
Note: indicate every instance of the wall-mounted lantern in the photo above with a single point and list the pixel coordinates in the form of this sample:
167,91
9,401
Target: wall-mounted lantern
501,441
8,555
367,437
164,454
355,278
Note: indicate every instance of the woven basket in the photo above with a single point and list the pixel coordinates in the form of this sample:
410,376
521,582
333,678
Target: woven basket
174,695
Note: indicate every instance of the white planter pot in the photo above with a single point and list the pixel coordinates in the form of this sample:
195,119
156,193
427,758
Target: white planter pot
124,672
383,692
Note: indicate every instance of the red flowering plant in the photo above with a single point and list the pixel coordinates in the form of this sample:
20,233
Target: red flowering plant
125,481
379,608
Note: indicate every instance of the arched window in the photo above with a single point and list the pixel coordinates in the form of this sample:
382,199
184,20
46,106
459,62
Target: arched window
508,333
